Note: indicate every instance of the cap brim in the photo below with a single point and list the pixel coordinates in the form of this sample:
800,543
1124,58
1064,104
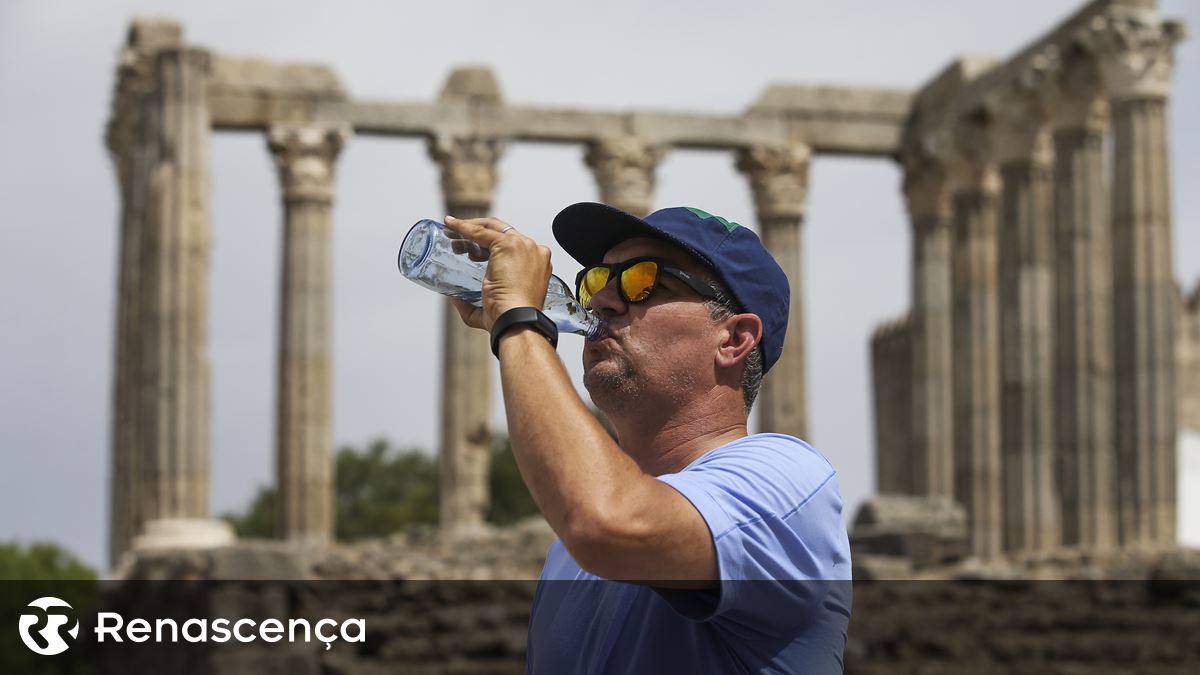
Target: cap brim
587,230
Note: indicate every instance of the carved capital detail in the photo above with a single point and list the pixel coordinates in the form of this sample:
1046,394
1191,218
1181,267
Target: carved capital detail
927,191
624,170
1020,114
304,155
1076,96
136,80
973,167
1136,51
778,178
468,167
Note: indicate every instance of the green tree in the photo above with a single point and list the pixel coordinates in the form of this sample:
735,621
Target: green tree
43,569
380,491
258,521
42,561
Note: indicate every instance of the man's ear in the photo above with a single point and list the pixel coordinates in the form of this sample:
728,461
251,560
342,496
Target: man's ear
741,335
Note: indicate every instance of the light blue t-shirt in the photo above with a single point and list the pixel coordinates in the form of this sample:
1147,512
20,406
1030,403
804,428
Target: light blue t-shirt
773,509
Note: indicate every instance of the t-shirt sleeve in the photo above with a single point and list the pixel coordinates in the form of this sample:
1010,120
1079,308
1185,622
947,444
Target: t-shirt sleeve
774,513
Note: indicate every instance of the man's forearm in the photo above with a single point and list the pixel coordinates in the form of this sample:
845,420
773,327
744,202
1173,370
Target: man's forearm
578,476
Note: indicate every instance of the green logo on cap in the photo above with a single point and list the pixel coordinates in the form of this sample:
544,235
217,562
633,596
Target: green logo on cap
704,215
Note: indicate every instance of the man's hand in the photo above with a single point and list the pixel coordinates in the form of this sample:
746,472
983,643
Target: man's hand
518,271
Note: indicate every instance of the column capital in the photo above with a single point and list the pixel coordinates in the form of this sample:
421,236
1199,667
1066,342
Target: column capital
197,58
135,78
972,164
1075,96
1135,49
927,192
778,178
1020,116
304,155
624,170
468,165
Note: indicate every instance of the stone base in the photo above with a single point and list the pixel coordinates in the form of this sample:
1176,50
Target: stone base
926,531
183,533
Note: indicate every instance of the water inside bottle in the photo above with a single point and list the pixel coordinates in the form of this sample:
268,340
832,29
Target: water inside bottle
566,312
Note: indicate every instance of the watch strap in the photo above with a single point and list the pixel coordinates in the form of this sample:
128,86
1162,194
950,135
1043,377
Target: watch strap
523,315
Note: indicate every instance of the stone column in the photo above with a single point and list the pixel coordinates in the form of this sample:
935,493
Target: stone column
468,168
1083,361
624,170
891,374
779,181
926,190
132,147
1136,56
1026,296
976,331
173,385
304,156
468,181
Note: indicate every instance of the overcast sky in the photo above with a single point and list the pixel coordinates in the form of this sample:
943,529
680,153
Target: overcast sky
58,214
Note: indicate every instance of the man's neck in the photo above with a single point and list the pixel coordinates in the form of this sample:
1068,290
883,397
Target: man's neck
668,443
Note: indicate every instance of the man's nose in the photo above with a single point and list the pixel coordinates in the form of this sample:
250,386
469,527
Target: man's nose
608,301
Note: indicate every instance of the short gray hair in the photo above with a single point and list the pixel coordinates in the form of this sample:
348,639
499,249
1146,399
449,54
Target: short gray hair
722,307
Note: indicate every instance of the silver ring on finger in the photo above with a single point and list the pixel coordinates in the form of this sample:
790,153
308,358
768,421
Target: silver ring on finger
506,229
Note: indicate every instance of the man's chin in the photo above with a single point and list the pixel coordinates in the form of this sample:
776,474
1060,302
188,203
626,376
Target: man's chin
606,376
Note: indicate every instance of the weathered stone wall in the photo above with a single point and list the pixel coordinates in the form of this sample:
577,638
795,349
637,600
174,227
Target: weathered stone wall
1024,627
439,605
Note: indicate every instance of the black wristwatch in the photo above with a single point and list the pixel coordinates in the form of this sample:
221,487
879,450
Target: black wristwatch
520,315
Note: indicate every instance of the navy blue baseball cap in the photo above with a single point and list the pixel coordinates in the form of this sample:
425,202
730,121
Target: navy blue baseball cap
735,254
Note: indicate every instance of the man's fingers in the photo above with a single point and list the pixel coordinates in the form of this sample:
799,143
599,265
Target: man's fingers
482,231
469,248
470,314
476,236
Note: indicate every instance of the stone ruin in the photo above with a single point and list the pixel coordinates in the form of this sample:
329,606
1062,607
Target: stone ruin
170,97
1039,379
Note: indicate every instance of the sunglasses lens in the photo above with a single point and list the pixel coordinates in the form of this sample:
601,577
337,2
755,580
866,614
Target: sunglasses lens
638,280
594,280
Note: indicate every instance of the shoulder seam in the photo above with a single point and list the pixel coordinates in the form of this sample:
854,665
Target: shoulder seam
787,514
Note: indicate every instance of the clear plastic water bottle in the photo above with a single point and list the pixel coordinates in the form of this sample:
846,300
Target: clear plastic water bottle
427,257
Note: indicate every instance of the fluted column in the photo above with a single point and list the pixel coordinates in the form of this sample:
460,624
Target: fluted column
779,181
624,170
1026,297
891,375
1135,49
131,142
468,170
173,378
305,156
926,190
1083,360
977,481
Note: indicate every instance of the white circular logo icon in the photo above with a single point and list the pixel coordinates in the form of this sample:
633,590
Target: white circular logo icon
42,629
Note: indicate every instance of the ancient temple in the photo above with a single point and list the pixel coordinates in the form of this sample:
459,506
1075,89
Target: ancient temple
1033,380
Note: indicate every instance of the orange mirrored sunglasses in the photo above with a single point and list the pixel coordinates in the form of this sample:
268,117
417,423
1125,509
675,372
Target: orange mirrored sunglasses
638,277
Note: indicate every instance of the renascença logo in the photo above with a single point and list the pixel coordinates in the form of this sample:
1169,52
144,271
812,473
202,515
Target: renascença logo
42,630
